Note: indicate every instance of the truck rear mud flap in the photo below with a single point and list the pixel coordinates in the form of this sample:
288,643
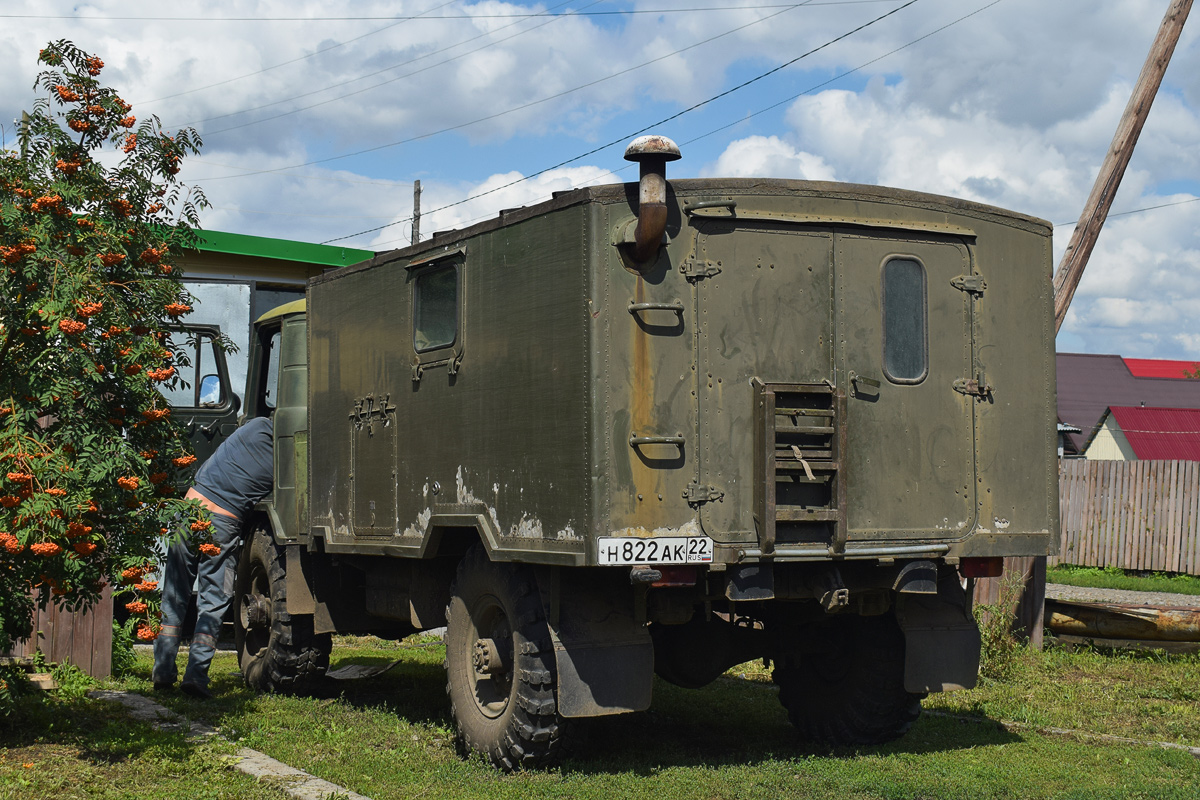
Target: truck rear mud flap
941,639
604,653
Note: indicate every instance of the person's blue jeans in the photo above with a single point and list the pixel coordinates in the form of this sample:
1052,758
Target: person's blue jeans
214,578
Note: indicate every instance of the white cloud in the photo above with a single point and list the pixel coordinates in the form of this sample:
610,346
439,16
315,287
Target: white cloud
769,155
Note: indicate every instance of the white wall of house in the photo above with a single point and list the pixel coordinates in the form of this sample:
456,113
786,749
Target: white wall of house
1109,443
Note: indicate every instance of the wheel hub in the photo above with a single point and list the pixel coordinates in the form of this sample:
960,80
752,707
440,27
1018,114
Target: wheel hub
488,658
255,612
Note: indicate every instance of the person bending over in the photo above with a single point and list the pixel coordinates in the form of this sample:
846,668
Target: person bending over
229,484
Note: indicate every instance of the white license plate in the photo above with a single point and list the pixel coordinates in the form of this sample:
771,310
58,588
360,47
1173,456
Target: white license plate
662,550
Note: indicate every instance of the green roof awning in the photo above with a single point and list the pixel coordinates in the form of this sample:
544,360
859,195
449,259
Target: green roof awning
284,249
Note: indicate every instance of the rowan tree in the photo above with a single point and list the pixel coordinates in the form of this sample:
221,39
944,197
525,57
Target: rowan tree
92,218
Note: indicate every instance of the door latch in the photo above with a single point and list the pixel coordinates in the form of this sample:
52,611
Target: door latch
695,494
694,269
976,387
861,384
972,284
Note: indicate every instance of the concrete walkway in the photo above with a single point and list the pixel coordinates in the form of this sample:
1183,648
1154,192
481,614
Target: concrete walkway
295,782
1081,594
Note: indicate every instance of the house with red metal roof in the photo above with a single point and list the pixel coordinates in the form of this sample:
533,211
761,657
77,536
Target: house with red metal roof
1088,385
1128,433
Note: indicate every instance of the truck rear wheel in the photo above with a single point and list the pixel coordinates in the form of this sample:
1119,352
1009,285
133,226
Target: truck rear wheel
848,688
501,674
277,651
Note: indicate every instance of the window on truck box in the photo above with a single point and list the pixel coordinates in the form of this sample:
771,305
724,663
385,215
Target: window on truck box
435,308
905,340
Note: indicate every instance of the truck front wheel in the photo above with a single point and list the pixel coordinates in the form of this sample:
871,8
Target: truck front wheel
277,651
500,668
844,684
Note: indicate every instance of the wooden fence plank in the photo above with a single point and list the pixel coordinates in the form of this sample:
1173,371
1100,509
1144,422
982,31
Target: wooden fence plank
1091,517
1173,548
1135,518
1102,529
1142,560
1190,534
1118,512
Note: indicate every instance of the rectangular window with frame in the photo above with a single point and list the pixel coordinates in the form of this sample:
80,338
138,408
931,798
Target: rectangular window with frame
435,308
905,336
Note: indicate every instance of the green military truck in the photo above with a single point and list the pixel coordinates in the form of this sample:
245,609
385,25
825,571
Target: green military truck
660,428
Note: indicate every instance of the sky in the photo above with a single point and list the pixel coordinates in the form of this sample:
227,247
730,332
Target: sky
317,117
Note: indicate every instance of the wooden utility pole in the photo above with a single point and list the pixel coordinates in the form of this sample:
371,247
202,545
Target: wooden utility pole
1070,269
416,228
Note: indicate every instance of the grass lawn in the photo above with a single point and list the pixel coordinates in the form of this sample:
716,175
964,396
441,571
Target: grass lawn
390,737
65,745
1113,578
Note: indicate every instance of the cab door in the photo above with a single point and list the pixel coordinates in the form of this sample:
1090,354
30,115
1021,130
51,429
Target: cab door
905,341
203,398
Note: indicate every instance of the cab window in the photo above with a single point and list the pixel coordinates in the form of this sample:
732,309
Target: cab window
270,355
200,384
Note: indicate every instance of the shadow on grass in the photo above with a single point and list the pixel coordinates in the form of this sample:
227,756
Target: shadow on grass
101,731
734,722
730,722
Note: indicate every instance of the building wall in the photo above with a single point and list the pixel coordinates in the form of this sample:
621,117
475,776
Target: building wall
1110,444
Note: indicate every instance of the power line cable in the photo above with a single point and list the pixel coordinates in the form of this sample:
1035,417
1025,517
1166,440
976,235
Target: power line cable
809,90
423,18
1131,211
839,76
292,61
663,121
738,121
835,78
485,34
532,103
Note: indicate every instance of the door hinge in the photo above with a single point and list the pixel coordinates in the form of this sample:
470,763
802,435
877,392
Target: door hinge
695,494
973,284
694,269
976,387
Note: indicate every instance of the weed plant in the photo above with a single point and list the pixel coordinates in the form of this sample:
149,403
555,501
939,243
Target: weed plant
999,645
123,658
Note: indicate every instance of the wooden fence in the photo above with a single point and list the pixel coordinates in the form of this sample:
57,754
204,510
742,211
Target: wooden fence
82,638
1138,515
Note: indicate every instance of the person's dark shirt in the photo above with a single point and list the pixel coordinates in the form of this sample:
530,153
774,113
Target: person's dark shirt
242,471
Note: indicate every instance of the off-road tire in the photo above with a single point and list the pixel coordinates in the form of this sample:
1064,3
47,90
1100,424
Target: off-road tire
509,718
280,653
848,689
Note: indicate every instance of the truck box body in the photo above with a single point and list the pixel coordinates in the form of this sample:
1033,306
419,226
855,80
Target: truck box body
518,378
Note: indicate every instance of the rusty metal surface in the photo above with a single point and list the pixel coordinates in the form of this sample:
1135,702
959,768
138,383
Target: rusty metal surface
1113,621
652,147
